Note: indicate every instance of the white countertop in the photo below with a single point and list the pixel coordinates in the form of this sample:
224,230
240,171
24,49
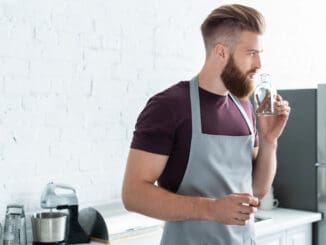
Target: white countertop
282,219
124,226
133,224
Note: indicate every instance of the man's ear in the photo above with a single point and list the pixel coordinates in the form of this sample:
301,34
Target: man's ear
220,51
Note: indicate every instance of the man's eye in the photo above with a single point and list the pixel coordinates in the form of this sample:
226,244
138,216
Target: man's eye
251,53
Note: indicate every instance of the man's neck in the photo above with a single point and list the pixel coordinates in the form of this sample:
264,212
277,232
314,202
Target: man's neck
210,80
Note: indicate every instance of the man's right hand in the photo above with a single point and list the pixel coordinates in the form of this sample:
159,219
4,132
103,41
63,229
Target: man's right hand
234,209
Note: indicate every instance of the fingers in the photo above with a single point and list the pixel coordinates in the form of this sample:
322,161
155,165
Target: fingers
247,209
247,199
235,208
242,219
247,206
282,106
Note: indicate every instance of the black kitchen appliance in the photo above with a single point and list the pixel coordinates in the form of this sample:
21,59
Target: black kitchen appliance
62,197
300,181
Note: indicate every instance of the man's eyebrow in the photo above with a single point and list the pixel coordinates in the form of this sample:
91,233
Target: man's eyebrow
255,50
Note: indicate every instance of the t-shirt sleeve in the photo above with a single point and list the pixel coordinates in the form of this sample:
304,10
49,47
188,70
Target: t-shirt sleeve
154,130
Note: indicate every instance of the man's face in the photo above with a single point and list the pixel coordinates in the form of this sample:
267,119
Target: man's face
238,79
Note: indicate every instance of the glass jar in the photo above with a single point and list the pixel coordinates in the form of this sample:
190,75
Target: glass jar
14,231
265,96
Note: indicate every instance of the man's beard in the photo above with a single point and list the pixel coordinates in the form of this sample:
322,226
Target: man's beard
237,82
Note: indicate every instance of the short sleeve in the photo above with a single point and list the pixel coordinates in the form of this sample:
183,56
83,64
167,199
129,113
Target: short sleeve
154,130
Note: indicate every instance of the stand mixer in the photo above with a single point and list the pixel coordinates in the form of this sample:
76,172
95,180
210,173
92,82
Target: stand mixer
65,199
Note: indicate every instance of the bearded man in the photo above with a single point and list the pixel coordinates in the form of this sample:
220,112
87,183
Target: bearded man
197,160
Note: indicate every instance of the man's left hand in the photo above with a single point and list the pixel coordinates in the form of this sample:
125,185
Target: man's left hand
271,127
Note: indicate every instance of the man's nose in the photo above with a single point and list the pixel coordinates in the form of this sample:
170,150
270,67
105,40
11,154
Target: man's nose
257,63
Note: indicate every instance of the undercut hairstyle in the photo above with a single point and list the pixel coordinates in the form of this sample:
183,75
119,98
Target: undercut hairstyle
224,24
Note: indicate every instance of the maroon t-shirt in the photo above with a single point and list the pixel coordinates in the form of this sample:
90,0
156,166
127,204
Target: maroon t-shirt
164,126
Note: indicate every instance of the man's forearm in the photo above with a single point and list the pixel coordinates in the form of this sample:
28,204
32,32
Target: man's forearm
156,202
264,168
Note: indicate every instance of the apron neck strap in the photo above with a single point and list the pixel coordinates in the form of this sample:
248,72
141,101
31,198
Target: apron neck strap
244,114
195,106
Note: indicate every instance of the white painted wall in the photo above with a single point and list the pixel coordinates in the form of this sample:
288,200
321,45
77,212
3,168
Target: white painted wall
74,74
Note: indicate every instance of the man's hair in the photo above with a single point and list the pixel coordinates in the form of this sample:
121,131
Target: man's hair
225,23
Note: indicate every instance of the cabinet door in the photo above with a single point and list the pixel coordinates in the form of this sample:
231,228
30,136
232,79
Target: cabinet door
299,236
273,239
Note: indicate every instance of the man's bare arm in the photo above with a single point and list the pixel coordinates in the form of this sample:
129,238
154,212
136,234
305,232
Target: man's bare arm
140,194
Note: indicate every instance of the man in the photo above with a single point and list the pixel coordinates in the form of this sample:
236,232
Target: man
198,141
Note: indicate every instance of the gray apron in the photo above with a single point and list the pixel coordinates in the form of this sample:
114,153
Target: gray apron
218,165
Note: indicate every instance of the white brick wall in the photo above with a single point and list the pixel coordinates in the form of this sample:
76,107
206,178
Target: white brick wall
75,74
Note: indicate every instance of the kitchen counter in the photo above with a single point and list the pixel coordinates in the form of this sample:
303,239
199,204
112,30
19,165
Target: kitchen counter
130,228
282,219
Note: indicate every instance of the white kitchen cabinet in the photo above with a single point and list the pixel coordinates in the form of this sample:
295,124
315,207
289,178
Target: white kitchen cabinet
273,239
148,238
301,235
